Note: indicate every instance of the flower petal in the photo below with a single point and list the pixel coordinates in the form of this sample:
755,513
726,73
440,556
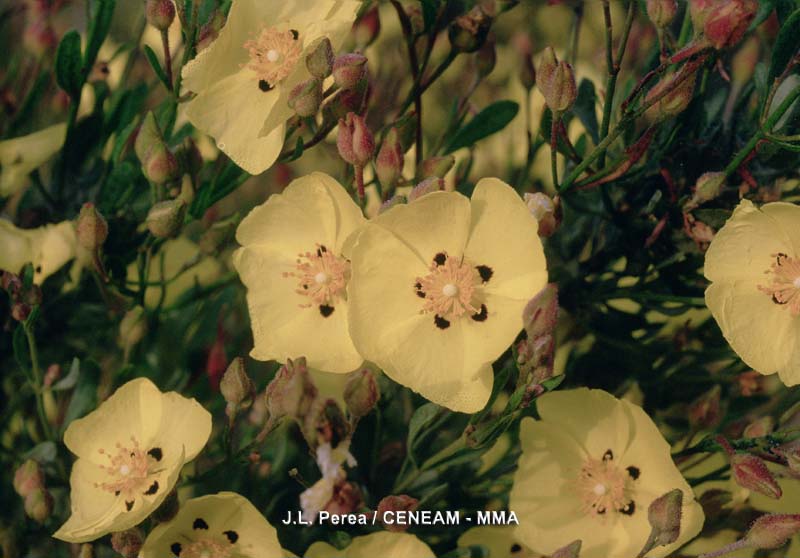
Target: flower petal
19,156
92,507
503,235
787,219
184,423
486,340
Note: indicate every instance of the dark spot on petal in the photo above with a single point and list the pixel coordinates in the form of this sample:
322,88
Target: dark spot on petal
440,258
515,548
305,286
482,315
485,272
156,454
326,310
440,322
418,288
200,523
264,85
601,510
295,34
233,536
176,549
780,257
38,269
608,455
321,250
116,493
634,472
628,508
129,505
153,488
776,301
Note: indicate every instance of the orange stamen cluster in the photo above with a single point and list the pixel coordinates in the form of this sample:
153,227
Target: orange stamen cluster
127,470
274,54
449,289
603,487
784,287
321,276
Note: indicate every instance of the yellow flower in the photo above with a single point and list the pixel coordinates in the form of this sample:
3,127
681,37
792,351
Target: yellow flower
130,452
438,287
753,264
383,544
589,470
224,525
47,248
292,265
243,79
499,540
20,156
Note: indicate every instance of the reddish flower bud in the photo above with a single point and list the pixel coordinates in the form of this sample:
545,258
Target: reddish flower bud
664,516
752,473
306,97
20,311
728,21
436,166
545,210
791,453
361,393
39,504
556,81
40,38
165,219
699,11
28,477
662,12
349,69
355,141
128,543
291,392
705,411
674,102
367,27
320,61
468,32
91,228
388,507
158,163
432,184
773,531
210,31
390,160
160,13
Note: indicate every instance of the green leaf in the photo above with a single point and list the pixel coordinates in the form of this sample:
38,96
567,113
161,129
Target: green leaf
584,109
429,10
84,398
421,418
45,452
786,46
765,8
69,381
69,66
19,343
490,120
98,29
156,65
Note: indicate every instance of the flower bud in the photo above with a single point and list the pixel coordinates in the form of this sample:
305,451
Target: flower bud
699,11
396,504
545,210
39,504
752,473
20,311
361,393
291,392
436,166
210,31
791,453
160,13
705,411
128,543
236,386
672,103
320,61
468,32
165,219
28,477
91,228
540,315
367,27
707,188
306,97
432,184
759,428
727,22
572,550
355,141
527,72
349,69
662,12
346,100
40,38
415,17
406,128
664,516
158,163
773,530
390,160
215,237
556,81
486,57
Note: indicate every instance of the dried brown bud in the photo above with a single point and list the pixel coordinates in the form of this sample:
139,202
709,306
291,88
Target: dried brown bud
556,81
128,543
361,393
468,32
291,392
545,210
91,228
236,386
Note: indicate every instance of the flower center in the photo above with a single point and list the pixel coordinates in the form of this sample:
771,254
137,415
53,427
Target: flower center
273,55
127,469
784,285
450,289
321,276
603,487
206,548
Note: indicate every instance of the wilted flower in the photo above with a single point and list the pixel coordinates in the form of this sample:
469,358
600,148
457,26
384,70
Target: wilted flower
593,465
361,393
128,543
130,452
292,264
727,21
438,287
243,79
223,524
545,210
753,264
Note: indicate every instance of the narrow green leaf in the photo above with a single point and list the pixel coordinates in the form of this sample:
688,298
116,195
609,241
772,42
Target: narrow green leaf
490,120
585,109
156,65
422,417
98,29
786,47
44,452
69,66
765,8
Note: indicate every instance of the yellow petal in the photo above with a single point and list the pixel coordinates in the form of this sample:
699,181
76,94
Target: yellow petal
184,422
17,249
503,235
133,410
227,514
763,334
787,218
20,156
383,544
